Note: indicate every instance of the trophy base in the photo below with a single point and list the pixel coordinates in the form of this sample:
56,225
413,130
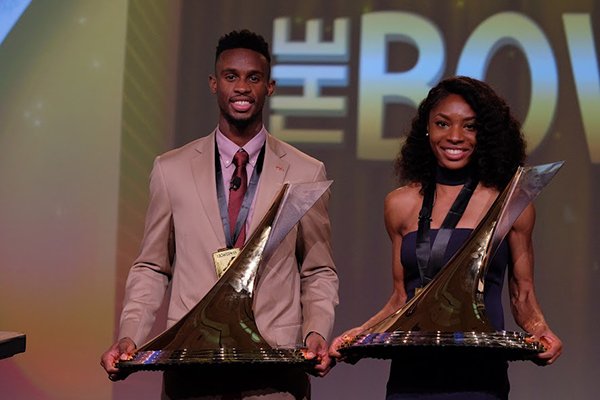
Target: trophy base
158,360
510,346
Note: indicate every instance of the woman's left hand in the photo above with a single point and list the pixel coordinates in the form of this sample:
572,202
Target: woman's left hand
553,346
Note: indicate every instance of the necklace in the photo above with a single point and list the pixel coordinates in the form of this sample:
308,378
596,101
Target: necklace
453,177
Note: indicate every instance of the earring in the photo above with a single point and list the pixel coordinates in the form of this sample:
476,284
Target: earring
426,133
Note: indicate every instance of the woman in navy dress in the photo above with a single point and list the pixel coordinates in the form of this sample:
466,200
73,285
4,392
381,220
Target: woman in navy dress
463,134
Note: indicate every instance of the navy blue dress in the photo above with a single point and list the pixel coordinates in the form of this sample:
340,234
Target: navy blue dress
452,378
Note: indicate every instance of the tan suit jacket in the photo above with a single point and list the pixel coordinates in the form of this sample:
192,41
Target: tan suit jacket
297,291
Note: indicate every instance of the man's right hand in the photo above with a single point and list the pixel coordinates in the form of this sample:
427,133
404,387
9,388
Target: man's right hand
120,351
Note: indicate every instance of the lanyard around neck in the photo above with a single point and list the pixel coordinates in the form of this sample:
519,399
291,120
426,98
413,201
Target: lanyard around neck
246,203
430,257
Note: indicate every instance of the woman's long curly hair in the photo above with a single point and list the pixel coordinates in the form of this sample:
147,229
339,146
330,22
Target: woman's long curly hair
500,147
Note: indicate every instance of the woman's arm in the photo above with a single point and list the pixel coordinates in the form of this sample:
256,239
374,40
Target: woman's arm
524,305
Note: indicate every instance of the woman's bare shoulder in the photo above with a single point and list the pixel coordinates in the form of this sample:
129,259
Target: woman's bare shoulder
404,195
401,208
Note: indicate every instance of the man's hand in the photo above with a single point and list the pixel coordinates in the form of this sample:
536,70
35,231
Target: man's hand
317,348
120,351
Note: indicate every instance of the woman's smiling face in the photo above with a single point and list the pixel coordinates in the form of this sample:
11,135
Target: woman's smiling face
452,132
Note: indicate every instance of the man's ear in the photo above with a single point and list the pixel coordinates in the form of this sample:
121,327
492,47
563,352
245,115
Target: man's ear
271,87
212,83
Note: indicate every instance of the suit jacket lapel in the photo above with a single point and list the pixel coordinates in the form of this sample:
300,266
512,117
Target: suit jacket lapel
271,180
203,170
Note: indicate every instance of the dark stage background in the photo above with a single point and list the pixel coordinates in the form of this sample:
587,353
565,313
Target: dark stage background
91,92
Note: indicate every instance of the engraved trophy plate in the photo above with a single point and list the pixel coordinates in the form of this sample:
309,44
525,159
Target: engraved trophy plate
220,331
510,346
448,314
155,360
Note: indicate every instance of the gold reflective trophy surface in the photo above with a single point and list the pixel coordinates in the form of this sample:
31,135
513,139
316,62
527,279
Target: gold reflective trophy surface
221,329
448,314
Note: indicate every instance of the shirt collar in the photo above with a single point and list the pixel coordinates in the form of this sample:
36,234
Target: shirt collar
227,148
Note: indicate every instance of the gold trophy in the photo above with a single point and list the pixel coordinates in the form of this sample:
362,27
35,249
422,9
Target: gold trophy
221,330
448,314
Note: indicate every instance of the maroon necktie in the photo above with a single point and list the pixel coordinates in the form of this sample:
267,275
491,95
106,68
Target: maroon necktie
237,190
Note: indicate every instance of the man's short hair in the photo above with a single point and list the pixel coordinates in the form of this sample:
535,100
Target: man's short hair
243,39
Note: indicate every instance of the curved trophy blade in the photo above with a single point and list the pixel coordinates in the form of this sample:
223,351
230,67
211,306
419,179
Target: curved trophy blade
531,182
297,201
448,316
221,327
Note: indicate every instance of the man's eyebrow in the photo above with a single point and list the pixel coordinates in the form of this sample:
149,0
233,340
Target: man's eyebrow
236,71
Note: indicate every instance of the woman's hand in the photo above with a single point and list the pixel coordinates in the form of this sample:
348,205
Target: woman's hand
340,340
553,346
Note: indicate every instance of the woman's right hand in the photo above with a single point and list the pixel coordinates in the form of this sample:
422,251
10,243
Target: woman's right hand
343,338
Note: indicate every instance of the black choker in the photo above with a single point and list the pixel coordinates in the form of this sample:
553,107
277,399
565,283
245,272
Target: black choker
452,177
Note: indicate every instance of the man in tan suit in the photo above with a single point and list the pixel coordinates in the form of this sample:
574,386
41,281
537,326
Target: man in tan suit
296,295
